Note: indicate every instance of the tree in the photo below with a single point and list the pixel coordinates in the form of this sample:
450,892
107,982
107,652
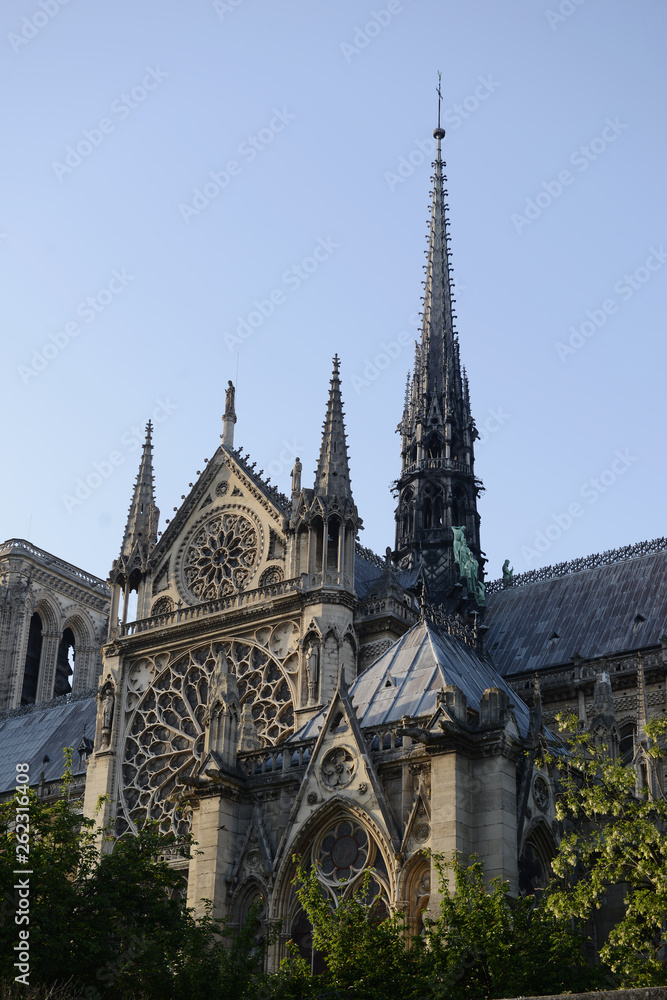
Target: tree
614,843
487,943
484,943
115,926
366,953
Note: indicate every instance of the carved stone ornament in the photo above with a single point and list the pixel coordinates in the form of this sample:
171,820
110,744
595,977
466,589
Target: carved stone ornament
165,734
254,860
338,768
422,832
541,795
163,606
222,556
344,852
139,676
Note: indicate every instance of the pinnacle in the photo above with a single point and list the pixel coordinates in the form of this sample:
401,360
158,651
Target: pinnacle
142,516
333,474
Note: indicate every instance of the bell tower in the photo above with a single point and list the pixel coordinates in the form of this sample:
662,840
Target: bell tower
437,524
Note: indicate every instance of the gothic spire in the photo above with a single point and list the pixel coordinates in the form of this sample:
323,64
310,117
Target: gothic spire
439,346
141,528
437,489
333,473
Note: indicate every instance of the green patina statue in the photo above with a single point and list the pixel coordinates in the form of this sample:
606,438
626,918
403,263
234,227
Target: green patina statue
508,574
468,565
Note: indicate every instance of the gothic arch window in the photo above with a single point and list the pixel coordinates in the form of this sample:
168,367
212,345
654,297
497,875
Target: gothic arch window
166,732
535,860
250,906
301,933
607,740
32,661
438,512
627,743
434,447
459,511
427,514
65,664
342,851
302,550
417,893
317,536
333,528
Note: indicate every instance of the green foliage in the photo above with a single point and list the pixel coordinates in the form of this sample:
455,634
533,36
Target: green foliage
487,943
484,943
114,927
614,853
365,953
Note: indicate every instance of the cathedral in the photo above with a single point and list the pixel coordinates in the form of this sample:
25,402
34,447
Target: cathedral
252,676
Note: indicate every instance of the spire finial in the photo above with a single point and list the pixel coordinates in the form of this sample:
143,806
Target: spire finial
439,95
439,132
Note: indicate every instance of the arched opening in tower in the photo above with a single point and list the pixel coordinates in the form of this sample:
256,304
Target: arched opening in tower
65,664
32,661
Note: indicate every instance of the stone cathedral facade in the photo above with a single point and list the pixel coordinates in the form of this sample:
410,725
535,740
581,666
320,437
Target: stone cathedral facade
282,691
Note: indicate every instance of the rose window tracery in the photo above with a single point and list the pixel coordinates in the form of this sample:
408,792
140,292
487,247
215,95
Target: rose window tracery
344,851
338,768
165,739
222,556
541,794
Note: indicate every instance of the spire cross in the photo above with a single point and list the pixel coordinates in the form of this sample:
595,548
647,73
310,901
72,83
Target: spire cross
439,93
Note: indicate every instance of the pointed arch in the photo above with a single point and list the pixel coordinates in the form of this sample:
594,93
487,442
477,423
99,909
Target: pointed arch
459,509
311,835
250,890
39,664
415,891
76,650
49,612
32,662
537,852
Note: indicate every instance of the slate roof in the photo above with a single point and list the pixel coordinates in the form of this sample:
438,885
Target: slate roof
30,736
405,681
365,574
593,612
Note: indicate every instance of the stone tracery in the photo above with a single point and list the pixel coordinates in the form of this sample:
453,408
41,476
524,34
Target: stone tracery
222,556
165,738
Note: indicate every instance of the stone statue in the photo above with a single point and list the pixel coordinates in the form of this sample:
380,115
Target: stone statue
508,574
108,703
296,476
230,393
313,667
468,565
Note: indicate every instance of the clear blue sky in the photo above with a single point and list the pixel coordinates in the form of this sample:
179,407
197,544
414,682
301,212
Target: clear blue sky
113,113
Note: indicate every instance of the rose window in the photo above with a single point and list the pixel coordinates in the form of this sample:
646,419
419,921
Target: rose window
165,738
344,852
338,768
222,556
